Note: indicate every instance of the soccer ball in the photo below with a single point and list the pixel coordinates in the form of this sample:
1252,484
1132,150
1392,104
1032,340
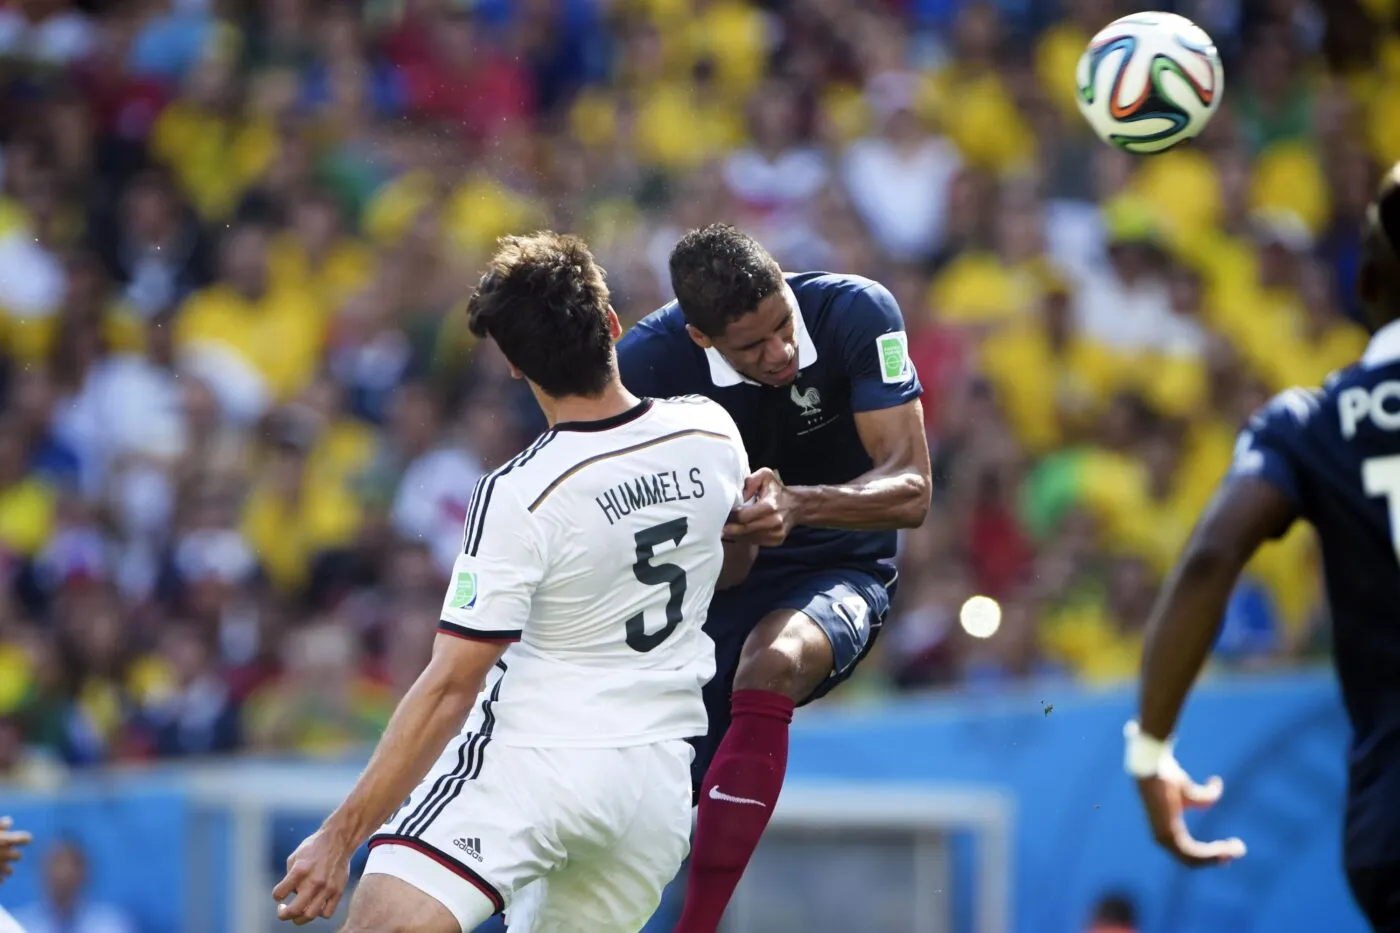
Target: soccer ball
1149,81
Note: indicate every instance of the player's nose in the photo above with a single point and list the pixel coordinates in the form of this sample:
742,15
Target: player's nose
779,352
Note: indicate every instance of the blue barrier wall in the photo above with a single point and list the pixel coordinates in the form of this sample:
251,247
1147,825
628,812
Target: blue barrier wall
1279,742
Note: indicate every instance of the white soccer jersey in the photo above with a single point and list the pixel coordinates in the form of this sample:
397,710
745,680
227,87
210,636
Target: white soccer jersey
596,551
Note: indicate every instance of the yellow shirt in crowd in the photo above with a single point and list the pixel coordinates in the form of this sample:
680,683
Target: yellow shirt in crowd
279,335
287,534
344,271
1038,388
215,158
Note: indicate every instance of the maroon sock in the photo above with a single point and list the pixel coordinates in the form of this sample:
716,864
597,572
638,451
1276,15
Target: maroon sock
736,802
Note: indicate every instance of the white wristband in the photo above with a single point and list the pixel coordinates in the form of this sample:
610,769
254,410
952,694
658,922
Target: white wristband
1145,756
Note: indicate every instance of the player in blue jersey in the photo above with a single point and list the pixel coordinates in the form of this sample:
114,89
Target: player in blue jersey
1330,457
815,370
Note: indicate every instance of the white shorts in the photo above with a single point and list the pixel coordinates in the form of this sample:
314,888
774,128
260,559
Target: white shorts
603,830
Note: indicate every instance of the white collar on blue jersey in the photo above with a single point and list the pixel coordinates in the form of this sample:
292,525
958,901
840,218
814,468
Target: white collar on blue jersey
1384,347
724,375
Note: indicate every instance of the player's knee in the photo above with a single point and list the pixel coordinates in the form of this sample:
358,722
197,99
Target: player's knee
793,661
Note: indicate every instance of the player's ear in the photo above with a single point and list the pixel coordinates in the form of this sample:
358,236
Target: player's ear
614,325
700,339
514,373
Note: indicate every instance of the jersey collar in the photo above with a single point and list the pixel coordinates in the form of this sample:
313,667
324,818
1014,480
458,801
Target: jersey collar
1384,347
724,375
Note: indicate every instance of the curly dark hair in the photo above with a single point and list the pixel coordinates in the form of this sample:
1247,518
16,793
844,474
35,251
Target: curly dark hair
544,301
719,274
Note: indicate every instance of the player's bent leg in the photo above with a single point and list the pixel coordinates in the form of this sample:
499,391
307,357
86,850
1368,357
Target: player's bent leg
786,657
793,655
787,653
387,903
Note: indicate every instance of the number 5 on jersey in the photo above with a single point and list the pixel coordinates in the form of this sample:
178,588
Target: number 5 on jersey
653,574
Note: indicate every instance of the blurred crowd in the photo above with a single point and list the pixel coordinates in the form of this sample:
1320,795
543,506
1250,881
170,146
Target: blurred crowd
241,414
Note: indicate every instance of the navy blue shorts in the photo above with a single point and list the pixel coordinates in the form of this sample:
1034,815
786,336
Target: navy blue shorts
848,604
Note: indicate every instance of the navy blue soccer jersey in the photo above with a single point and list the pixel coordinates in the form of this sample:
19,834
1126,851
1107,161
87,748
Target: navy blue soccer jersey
1335,454
852,357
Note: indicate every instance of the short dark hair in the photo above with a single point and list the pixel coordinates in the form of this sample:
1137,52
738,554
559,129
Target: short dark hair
544,301
719,273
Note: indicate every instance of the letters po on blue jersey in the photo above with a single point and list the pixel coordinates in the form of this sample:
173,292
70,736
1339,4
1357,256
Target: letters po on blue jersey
1335,454
853,357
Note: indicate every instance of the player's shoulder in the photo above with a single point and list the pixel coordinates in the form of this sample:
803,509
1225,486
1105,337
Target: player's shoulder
520,480
1293,409
685,412
661,327
836,304
828,288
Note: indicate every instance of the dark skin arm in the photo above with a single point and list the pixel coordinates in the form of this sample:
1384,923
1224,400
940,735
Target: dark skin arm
893,494
1245,513
430,714
738,561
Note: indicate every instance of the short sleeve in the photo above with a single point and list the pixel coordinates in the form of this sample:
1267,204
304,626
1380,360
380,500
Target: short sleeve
501,564
877,351
1266,447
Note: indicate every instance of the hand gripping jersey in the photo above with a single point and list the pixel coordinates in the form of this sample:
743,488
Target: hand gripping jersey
595,552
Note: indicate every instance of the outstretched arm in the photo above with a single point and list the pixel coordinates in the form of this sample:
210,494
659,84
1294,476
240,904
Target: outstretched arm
429,715
1246,512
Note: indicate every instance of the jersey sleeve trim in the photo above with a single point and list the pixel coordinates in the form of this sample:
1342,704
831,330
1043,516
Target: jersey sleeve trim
478,634
620,452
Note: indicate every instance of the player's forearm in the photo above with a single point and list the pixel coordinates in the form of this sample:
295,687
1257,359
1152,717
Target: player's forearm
878,501
1180,633
428,716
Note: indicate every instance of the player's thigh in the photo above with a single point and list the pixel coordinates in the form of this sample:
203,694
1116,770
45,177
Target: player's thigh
385,903
816,633
615,885
481,824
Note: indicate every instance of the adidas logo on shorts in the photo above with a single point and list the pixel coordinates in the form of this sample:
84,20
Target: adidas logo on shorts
471,846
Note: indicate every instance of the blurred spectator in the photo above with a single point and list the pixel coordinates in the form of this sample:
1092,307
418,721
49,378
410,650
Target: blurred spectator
899,179
324,702
66,908
190,709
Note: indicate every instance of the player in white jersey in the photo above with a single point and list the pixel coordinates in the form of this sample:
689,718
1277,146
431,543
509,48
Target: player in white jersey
587,566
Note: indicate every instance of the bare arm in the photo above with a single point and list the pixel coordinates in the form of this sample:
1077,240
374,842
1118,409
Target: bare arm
894,494
738,560
426,718
1245,513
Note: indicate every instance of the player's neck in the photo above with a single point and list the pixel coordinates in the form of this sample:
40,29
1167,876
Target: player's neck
611,402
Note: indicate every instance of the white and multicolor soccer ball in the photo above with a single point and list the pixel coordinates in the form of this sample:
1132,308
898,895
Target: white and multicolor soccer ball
1149,81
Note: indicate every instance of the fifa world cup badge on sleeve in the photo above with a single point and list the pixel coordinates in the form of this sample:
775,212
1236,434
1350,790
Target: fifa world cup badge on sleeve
894,357
464,590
